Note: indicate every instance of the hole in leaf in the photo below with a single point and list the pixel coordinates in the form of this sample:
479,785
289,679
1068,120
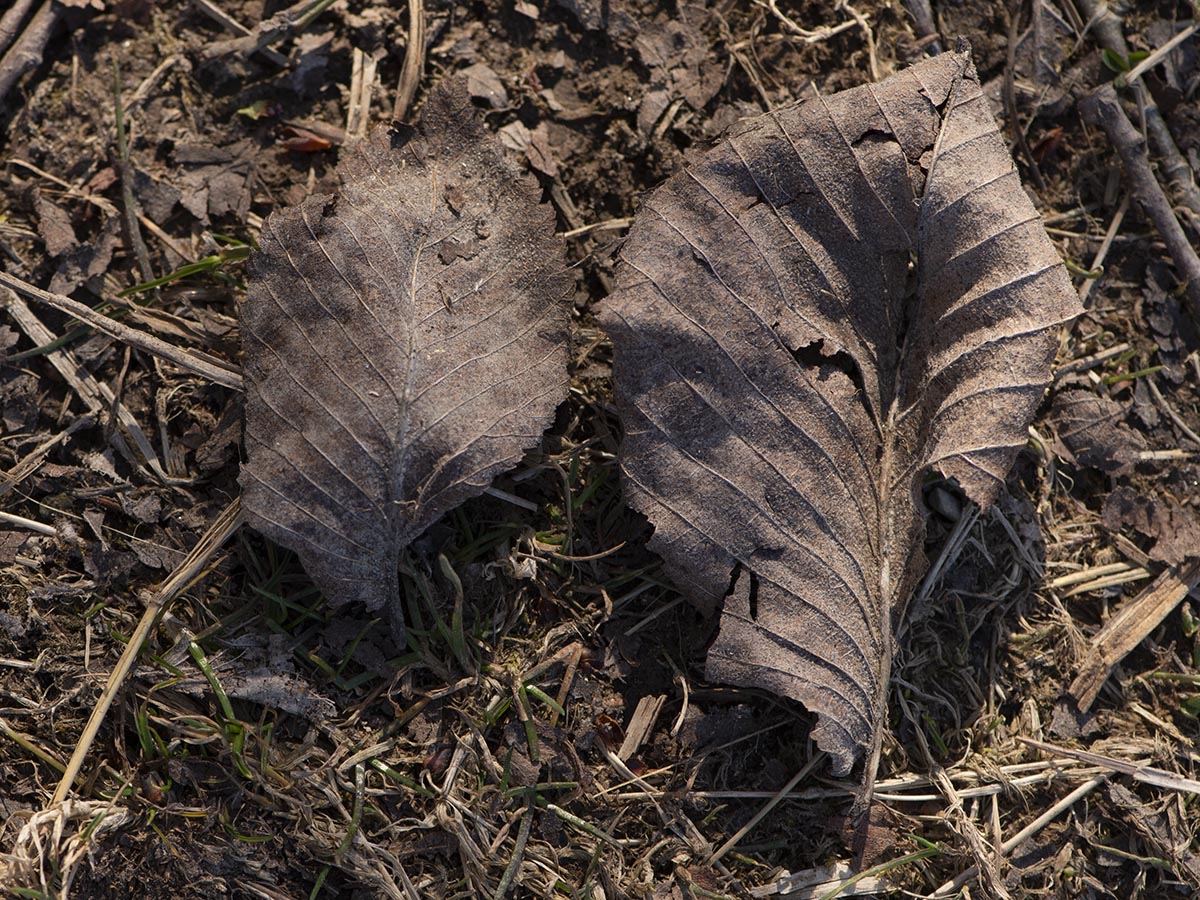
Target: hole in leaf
873,136
813,356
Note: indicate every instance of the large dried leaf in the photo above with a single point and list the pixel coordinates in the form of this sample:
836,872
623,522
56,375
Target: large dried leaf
405,342
845,294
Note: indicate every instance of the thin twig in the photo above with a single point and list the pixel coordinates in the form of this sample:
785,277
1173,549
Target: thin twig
129,204
29,47
215,370
1090,362
1170,411
10,25
229,23
183,577
282,25
1160,54
1102,253
1103,108
1107,27
864,25
96,396
414,61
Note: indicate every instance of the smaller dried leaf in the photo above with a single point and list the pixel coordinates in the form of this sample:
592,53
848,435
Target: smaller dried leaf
54,226
405,342
1174,529
1092,428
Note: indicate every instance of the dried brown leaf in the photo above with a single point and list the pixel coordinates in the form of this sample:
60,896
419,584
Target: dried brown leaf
1092,428
1174,530
405,342
844,295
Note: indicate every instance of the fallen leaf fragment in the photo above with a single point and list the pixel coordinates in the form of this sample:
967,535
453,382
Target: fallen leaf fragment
387,378
302,140
1173,529
484,84
54,226
677,54
1093,429
844,295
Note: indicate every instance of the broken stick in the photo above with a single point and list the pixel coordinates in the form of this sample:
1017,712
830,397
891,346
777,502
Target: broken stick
1129,627
1103,108
29,47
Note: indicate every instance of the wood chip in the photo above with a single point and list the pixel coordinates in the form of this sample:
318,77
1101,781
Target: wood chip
1129,627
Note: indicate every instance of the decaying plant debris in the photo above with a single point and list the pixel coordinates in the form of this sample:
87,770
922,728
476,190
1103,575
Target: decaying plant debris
547,729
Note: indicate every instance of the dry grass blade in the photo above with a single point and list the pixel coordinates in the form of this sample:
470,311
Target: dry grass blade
130,208
215,370
1160,830
813,884
362,85
45,850
1127,575
950,888
99,398
1145,774
187,572
816,760
29,463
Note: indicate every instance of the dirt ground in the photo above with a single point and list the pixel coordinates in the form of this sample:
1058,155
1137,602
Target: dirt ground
560,740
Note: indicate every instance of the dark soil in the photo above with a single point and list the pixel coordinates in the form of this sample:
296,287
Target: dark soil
267,746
